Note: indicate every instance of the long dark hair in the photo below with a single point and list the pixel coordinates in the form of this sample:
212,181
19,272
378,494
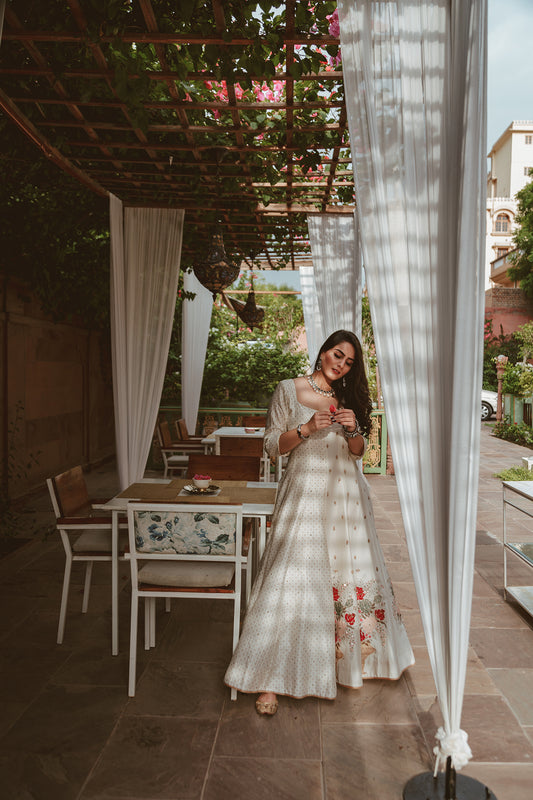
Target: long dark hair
355,394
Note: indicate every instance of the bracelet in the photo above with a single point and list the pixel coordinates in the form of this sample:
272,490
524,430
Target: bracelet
299,432
352,434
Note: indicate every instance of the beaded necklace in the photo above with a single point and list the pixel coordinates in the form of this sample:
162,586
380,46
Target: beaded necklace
316,388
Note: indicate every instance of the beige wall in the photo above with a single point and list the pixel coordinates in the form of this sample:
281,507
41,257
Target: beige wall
56,381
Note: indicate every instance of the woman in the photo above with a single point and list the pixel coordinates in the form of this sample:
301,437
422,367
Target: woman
322,608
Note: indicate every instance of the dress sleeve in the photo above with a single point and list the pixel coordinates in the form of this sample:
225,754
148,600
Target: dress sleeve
277,419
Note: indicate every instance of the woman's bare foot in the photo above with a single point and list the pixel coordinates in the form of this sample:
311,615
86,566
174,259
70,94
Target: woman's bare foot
266,704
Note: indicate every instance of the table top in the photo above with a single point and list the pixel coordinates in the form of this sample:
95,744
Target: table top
256,498
258,433
524,488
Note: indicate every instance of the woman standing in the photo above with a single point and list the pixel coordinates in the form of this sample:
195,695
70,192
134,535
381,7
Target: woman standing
322,608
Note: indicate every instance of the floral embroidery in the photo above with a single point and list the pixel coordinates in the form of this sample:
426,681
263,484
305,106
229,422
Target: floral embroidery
359,609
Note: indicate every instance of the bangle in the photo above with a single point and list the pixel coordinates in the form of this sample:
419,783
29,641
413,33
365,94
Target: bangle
299,432
352,434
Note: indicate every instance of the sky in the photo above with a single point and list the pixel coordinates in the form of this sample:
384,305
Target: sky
510,65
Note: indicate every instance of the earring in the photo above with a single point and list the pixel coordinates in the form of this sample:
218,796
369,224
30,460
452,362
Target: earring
343,382
319,363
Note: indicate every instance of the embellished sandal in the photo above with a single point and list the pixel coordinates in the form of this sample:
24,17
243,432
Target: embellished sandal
265,708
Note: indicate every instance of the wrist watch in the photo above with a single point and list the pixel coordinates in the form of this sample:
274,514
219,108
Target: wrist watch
299,432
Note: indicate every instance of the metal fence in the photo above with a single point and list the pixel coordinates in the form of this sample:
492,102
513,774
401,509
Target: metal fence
374,461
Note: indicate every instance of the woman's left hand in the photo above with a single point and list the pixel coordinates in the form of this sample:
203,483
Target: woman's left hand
346,418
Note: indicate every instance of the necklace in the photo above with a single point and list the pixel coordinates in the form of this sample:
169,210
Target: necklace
316,388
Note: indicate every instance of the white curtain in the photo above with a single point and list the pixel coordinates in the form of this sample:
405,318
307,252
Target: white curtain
312,321
414,74
334,240
196,319
145,261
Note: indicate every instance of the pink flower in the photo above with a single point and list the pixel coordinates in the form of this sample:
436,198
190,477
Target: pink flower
379,614
360,593
334,27
335,593
350,618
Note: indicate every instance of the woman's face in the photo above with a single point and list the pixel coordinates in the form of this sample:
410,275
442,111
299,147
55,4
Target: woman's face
337,361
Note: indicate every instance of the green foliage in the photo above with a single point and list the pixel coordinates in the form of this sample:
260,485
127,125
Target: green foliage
518,379
514,432
522,269
54,233
243,364
524,334
515,474
496,345
249,373
369,349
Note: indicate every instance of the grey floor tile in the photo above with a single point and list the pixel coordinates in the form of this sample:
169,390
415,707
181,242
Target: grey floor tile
264,779
153,758
291,733
372,762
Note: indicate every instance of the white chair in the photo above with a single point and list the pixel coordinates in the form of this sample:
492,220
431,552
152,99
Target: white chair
186,550
85,534
175,458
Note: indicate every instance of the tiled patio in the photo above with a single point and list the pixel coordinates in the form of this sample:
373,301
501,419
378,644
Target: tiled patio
68,729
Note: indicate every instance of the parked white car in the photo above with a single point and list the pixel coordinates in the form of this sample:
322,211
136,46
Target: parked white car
489,404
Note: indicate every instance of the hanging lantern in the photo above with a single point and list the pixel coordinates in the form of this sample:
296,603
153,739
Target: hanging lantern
250,313
216,271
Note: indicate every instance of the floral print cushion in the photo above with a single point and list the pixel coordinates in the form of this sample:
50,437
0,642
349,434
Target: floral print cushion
187,532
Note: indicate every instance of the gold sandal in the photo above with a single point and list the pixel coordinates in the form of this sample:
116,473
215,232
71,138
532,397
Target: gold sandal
265,708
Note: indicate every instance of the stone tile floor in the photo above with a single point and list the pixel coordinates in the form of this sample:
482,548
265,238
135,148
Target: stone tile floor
69,732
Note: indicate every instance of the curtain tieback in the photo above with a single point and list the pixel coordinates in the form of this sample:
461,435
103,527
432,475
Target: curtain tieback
452,744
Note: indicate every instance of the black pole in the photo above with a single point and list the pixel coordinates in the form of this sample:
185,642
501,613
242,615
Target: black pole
450,780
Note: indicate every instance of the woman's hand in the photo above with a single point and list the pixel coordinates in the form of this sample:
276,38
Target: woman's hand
346,418
319,420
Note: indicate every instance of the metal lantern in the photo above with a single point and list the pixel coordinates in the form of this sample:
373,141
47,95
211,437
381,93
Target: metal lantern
252,314
216,271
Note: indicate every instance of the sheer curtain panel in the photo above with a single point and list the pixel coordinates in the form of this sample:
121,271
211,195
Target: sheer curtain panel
196,320
334,240
145,260
414,75
313,324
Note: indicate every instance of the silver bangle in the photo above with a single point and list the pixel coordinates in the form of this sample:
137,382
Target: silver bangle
299,432
352,434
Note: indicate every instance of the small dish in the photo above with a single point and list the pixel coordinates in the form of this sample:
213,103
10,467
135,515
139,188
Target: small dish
251,430
191,489
201,481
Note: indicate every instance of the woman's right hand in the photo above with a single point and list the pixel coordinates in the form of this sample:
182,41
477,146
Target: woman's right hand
319,420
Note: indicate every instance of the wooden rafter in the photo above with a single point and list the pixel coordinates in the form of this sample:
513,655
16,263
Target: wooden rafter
166,149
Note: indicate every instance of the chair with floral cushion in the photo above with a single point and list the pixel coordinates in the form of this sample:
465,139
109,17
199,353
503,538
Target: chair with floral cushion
183,550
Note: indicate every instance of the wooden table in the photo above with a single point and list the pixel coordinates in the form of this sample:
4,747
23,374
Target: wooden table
212,442
257,500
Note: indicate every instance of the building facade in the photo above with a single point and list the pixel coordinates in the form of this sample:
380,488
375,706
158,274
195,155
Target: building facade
511,158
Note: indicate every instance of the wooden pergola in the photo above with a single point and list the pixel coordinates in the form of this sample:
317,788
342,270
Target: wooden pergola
238,118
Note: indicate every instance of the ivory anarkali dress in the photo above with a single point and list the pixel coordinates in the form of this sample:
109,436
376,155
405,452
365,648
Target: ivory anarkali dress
322,608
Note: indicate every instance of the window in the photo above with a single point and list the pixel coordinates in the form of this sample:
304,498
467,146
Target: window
527,170
501,251
502,224
529,139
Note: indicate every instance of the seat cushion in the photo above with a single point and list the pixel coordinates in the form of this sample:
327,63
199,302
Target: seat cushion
98,542
181,461
190,573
